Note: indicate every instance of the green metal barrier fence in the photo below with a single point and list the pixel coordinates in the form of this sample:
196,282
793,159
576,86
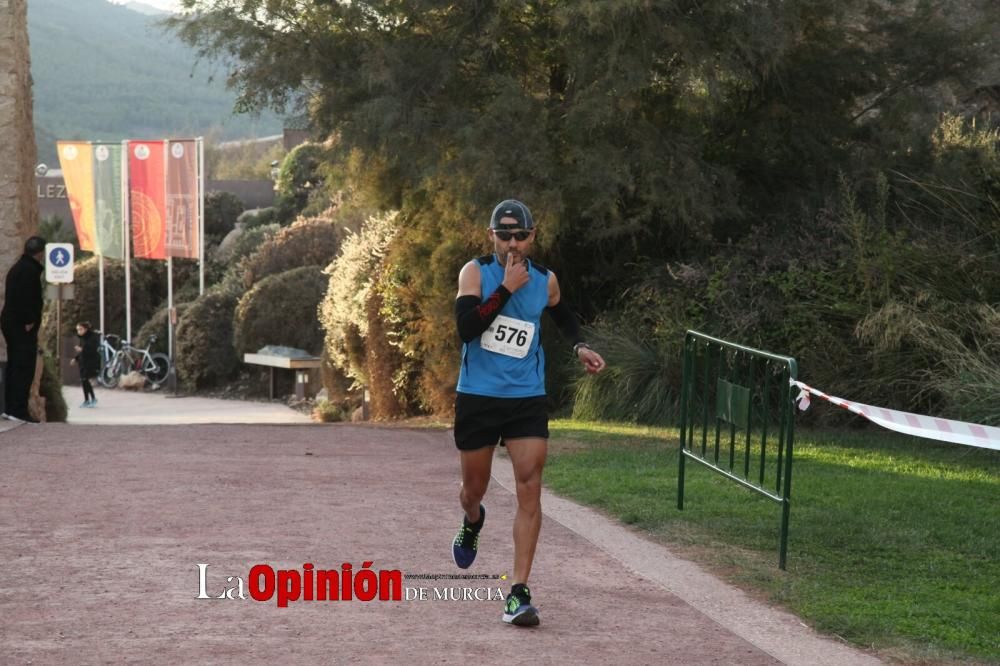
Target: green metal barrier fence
736,393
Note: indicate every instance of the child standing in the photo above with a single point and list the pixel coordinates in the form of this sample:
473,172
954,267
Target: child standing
89,361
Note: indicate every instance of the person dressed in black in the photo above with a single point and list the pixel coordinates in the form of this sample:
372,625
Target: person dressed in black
88,359
20,320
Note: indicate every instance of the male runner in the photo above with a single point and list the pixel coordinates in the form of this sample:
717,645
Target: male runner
501,387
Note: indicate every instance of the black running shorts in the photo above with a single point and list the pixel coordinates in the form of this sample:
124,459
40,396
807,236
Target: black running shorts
482,421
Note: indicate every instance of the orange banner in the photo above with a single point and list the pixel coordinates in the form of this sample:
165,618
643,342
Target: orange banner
182,199
76,161
147,193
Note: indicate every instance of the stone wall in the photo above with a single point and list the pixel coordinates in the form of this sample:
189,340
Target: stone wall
18,205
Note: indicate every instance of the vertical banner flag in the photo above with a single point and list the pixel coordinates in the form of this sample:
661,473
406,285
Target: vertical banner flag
108,199
77,168
182,199
148,208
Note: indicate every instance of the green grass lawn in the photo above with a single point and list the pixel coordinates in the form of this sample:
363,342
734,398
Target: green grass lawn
894,541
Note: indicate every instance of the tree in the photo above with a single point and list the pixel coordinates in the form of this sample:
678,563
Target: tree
636,129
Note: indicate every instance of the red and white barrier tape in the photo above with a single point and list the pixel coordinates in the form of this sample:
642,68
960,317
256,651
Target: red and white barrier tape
957,432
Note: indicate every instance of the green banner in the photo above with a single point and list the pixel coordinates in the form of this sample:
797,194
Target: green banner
108,199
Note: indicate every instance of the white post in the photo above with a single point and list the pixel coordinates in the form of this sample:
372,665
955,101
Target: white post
100,290
126,231
170,307
200,144
166,245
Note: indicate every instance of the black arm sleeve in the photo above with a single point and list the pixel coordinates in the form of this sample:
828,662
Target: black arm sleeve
566,321
473,316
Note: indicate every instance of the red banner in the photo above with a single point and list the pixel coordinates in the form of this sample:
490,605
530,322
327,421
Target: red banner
148,198
182,199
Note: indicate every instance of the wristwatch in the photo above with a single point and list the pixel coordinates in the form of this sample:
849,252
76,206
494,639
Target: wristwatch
580,345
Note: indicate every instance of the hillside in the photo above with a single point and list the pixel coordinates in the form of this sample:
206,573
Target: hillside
103,71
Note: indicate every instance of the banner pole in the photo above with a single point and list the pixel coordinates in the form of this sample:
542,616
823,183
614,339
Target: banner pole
100,289
200,143
170,307
128,299
126,227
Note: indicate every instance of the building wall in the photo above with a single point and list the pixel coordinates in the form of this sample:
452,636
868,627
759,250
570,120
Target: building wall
50,191
18,203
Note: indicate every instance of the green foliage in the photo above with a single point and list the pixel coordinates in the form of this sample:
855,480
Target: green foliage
951,352
249,241
265,217
640,385
221,211
421,281
301,185
785,161
343,310
310,241
54,230
157,325
281,310
248,160
327,412
384,365
204,354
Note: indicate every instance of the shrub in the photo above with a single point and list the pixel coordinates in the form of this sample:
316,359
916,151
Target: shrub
383,362
301,179
640,384
281,310
221,211
308,242
260,218
342,313
204,354
335,382
157,325
327,412
248,242
946,356
422,265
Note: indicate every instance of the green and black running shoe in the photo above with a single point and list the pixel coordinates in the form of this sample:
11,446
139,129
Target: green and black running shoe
518,609
466,544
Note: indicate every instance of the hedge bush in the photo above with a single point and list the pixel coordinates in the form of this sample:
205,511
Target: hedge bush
204,354
343,311
281,310
301,180
307,242
221,211
246,243
157,325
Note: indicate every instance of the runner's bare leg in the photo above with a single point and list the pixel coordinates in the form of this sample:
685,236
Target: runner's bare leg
476,468
528,458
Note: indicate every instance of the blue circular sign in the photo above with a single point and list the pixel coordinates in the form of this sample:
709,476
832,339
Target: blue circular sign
59,257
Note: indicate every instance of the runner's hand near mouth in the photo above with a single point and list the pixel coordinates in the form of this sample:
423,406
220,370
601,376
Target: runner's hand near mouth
515,275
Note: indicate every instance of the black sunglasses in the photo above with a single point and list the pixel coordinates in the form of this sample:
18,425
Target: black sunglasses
506,235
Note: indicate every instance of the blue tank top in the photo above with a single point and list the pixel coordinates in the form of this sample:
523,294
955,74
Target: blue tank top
501,375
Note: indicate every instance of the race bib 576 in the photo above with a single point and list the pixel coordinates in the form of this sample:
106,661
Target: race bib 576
508,336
